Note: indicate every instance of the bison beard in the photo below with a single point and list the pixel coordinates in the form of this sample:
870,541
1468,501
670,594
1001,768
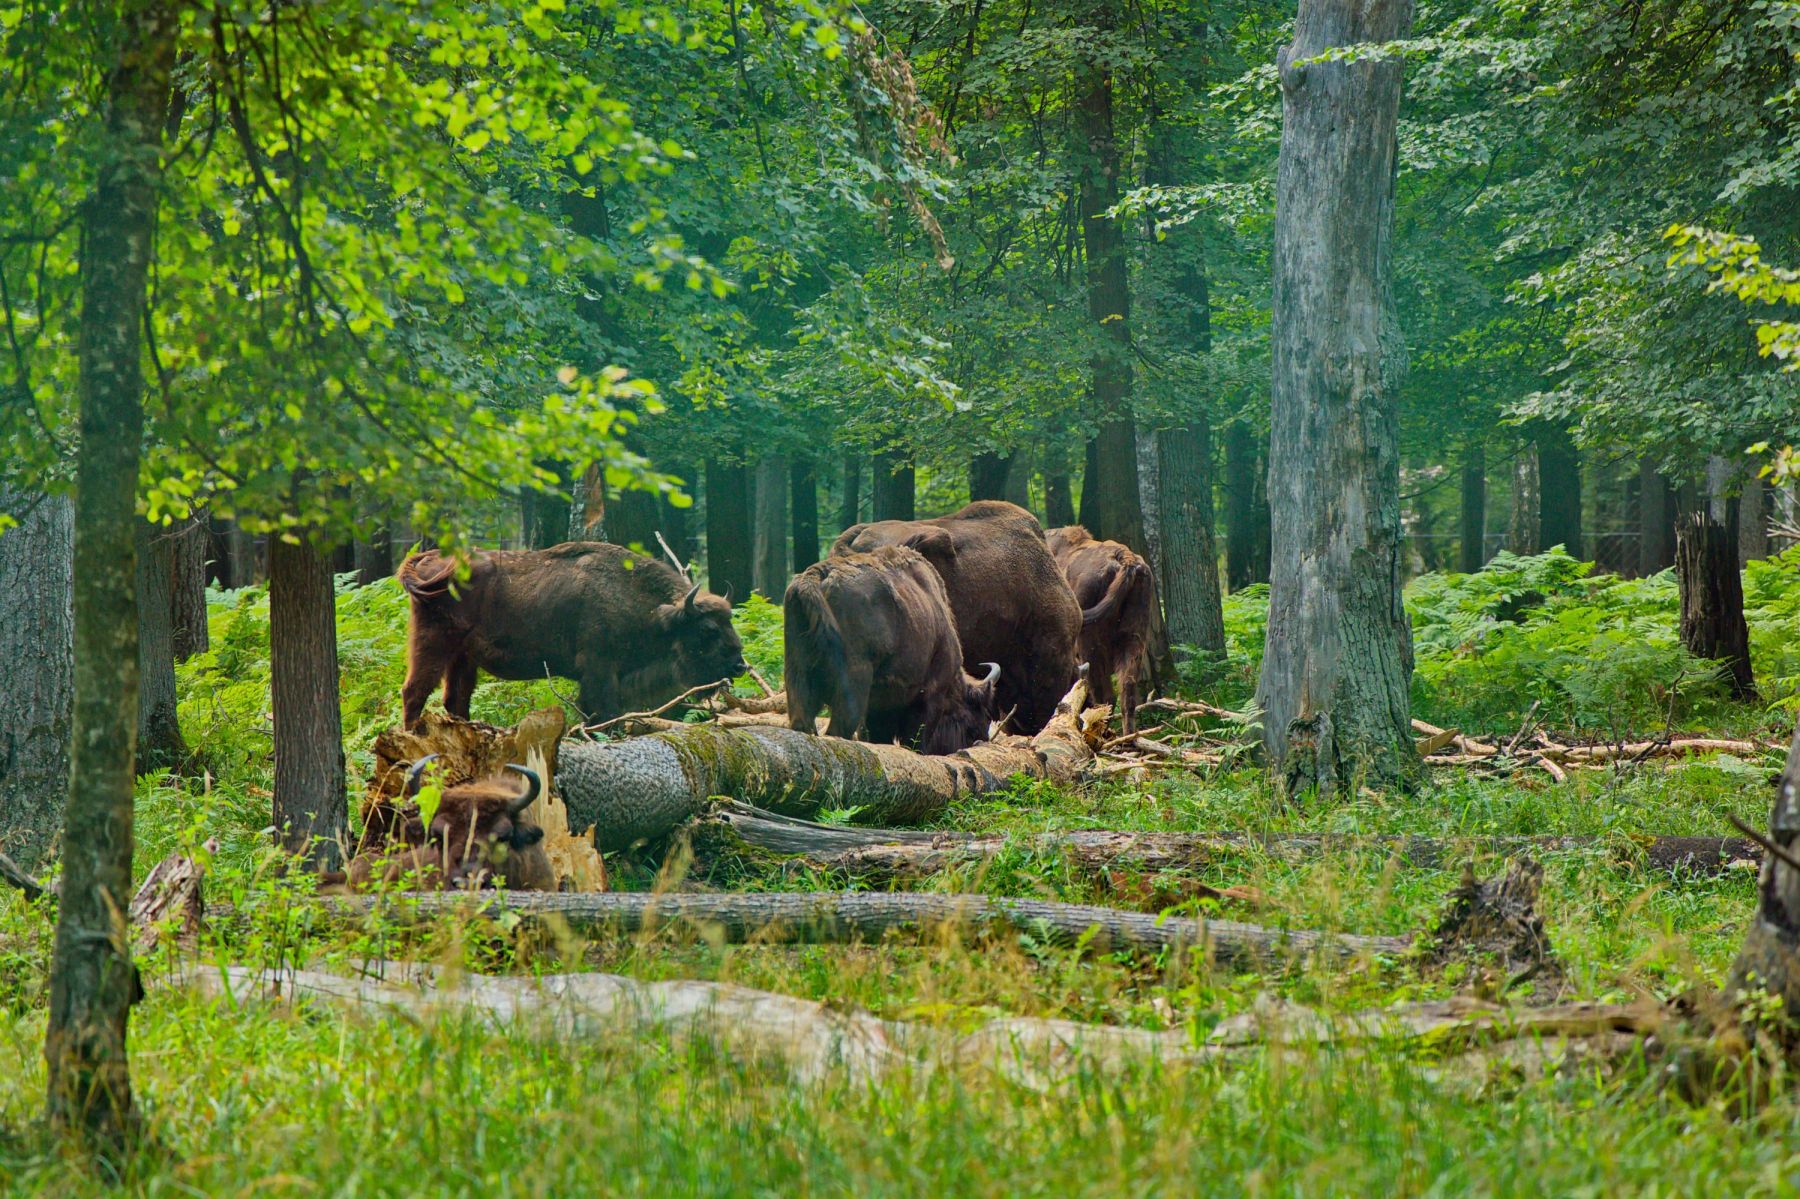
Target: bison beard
870,636
1010,603
477,837
1117,594
627,628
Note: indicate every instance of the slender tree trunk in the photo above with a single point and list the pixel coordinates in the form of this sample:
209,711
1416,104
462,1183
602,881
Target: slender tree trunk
375,556
310,808
850,507
1656,521
92,980
1087,513
770,570
1753,521
728,550
987,475
159,742
1059,503
1472,524
803,501
1336,669
893,487
1246,508
1190,577
187,614
1522,524
1559,489
1712,589
37,649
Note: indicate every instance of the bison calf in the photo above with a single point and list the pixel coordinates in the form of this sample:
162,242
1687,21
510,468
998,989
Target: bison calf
1117,594
627,628
870,636
477,836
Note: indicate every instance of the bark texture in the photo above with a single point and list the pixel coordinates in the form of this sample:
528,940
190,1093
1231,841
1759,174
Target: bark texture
160,745
92,980
803,501
1336,671
187,614
310,814
1190,574
728,546
769,569
1472,514
37,649
1712,594
1522,524
892,488
1246,507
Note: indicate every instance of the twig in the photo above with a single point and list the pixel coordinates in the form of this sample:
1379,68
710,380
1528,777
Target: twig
1524,728
762,682
679,699
1769,846
682,570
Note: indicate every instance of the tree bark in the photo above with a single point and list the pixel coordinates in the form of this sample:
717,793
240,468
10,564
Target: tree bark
1712,592
770,569
92,980
1246,508
987,475
728,546
1522,524
1018,481
1559,489
634,519
310,809
159,742
545,514
1472,517
803,501
850,503
1656,521
1336,670
37,631
1086,513
892,487
1059,503
1768,962
1190,576
1753,520
188,612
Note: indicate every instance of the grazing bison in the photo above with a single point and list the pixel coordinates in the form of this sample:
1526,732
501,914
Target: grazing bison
870,636
1011,603
625,627
1117,594
477,837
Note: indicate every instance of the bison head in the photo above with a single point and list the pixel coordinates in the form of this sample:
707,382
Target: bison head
969,721
478,831
705,646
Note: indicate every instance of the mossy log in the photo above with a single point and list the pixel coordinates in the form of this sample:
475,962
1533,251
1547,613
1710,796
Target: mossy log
644,788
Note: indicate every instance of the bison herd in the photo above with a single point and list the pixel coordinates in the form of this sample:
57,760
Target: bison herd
922,632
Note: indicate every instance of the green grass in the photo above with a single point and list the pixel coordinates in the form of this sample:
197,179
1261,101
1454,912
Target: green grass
269,1100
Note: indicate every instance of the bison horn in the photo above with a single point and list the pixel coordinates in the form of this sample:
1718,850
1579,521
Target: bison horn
533,785
416,775
992,674
687,604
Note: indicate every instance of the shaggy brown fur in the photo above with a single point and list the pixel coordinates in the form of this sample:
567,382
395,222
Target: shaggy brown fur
1117,594
870,636
1011,603
624,626
478,836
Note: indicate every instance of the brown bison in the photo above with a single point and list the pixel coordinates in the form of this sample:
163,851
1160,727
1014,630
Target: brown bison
870,636
477,837
627,628
1117,594
1011,603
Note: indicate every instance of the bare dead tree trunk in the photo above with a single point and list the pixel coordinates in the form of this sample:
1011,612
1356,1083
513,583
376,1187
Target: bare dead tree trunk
159,745
1522,524
187,615
92,980
37,650
803,502
893,487
1472,517
1336,670
1712,592
310,811
728,547
769,573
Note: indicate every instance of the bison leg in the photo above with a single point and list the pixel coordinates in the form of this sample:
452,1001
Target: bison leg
848,711
1100,679
428,658
459,686
884,728
599,698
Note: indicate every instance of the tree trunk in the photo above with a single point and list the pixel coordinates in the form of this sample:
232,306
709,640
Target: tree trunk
1559,489
1712,591
92,980
892,486
1059,502
728,529
545,514
1472,522
674,521
1086,514
1522,524
1190,577
803,500
1018,481
1768,962
1656,521
37,660
159,742
232,558
375,556
1753,521
987,475
187,614
769,572
1336,669
1246,508
633,519
310,808
850,505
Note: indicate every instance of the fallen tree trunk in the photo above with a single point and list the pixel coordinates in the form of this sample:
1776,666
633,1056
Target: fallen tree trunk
644,788
889,853
833,917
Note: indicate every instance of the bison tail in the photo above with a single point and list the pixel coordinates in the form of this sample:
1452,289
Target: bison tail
815,670
1131,583
427,576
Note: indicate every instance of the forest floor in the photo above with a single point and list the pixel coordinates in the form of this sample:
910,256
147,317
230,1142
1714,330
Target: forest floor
316,1100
